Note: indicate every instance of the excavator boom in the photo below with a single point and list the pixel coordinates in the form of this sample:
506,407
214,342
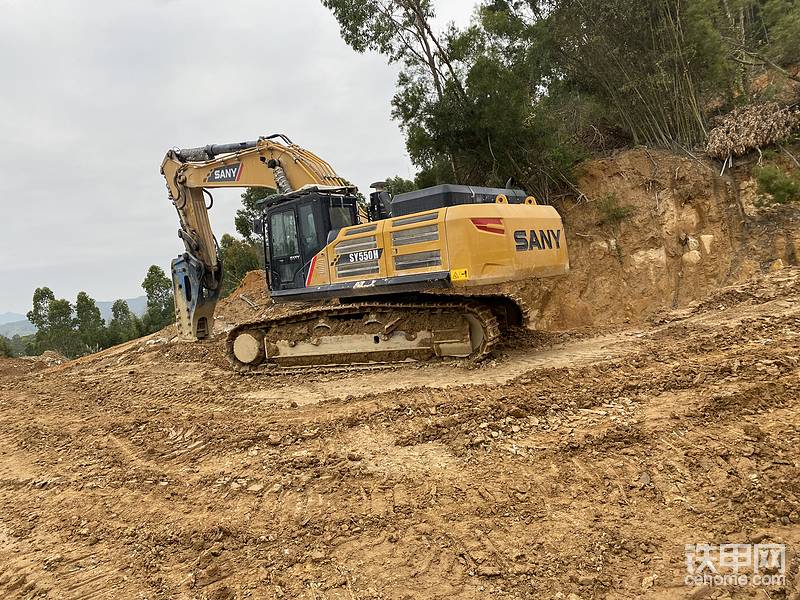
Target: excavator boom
269,162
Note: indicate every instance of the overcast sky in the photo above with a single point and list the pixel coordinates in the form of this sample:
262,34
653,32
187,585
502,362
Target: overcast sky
95,92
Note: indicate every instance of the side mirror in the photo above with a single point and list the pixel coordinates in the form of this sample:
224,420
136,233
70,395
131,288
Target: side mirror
258,226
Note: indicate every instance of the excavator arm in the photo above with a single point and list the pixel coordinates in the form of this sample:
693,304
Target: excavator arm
269,162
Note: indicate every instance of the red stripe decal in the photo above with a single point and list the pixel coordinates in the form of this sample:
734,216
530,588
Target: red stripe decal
239,174
487,221
489,225
311,270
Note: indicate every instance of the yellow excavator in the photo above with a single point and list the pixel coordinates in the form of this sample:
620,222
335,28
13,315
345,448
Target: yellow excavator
420,275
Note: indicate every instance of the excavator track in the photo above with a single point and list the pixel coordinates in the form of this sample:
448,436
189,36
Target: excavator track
365,335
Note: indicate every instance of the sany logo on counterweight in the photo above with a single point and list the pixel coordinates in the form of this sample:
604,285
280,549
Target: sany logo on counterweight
541,240
226,173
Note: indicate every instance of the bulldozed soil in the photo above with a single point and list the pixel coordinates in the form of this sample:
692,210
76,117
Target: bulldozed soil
657,405
572,465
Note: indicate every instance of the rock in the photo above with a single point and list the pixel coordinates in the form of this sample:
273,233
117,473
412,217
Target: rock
222,593
516,412
488,571
706,242
51,561
652,256
317,555
255,488
692,257
692,243
276,489
586,580
776,265
649,581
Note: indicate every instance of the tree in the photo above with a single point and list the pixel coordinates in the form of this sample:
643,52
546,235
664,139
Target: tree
531,87
91,326
238,258
249,211
402,30
397,185
5,347
55,323
42,298
124,325
60,333
160,300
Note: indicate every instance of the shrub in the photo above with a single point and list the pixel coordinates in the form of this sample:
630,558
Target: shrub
781,186
611,210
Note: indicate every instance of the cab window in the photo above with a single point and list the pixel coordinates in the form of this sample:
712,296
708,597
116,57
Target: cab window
283,230
342,214
308,229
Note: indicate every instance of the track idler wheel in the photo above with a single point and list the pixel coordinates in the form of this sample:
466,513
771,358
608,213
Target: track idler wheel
248,347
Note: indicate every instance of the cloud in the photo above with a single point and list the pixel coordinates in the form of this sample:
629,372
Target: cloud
96,92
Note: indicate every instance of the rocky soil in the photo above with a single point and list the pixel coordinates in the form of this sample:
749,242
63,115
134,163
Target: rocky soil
573,465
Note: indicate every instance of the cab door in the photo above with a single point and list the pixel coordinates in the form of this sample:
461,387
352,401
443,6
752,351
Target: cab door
286,260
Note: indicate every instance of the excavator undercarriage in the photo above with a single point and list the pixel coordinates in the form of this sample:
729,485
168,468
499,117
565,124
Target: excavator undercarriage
366,333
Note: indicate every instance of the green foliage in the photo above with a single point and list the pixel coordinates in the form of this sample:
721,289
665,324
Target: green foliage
779,186
781,20
611,210
124,325
385,26
397,185
531,87
41,301
91,327
160,300
80,329
5,347
56,324
238,258
249,211
23,345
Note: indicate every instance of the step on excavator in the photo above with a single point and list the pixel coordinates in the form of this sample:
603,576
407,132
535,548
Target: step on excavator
412,277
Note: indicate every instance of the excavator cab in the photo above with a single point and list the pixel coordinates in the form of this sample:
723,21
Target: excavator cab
298,226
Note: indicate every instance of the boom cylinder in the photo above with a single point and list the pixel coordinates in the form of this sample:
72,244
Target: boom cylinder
211,151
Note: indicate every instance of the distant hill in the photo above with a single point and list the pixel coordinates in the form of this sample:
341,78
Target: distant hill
21,328
137,305
10,317
12,324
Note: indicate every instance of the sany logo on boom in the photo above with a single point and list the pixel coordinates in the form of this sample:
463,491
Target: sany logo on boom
226,173
541,240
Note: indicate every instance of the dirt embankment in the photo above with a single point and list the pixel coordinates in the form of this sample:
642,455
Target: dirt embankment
681,231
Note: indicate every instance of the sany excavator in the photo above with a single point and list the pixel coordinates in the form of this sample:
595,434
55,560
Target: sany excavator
420,276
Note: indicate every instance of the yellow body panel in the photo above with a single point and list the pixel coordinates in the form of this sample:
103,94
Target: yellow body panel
478,244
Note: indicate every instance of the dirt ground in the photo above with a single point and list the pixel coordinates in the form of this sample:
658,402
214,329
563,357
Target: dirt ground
571,466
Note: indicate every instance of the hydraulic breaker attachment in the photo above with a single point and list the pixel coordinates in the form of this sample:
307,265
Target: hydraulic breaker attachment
194,303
